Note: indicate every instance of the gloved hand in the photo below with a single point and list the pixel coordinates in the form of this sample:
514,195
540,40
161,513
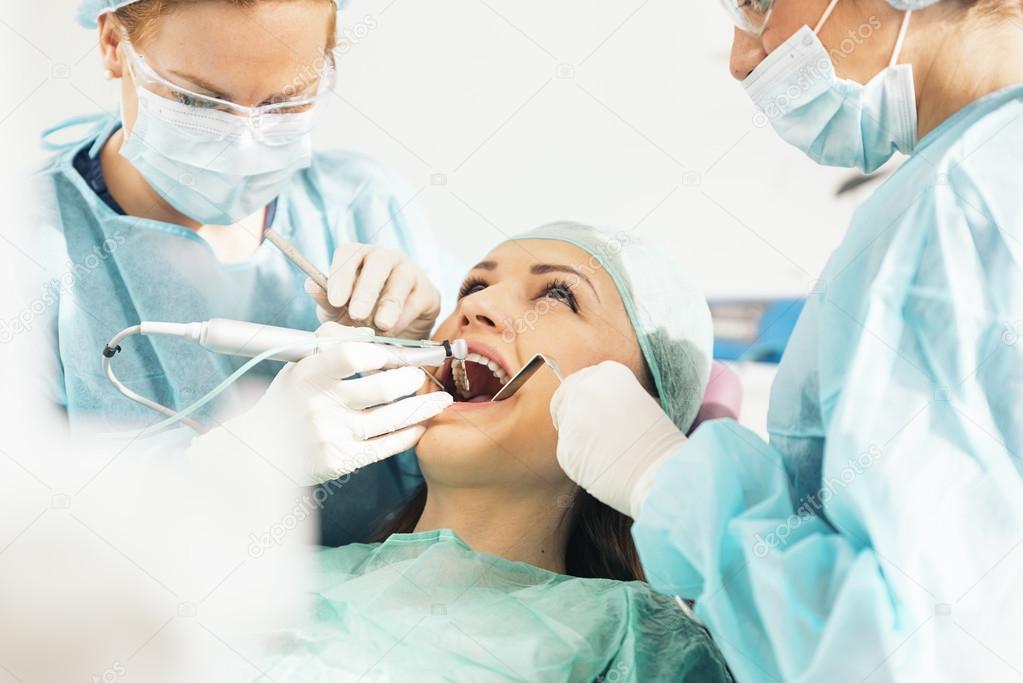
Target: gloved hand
612,434
315,425
377,286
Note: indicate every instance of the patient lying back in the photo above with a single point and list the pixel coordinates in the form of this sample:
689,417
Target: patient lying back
502,568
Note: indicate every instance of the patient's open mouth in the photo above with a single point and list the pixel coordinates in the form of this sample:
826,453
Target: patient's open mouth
483,376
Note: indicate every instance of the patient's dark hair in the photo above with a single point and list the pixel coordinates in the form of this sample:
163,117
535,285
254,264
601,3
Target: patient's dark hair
599,543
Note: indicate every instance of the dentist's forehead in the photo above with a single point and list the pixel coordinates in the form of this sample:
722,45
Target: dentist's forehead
244,53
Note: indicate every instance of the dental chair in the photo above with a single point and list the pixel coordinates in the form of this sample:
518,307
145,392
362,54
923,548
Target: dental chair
723,397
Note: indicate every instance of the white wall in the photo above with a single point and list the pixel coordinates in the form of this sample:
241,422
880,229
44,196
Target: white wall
618,112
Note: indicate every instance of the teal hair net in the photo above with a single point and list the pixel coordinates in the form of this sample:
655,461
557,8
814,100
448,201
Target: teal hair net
89,10
667,310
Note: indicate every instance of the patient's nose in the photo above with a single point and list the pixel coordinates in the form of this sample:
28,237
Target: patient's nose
482,310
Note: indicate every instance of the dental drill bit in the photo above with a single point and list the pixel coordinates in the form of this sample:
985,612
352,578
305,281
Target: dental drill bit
523,375
463,376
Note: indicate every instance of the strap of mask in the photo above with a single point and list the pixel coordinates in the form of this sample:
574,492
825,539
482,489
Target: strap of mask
901,39
824,17
899,42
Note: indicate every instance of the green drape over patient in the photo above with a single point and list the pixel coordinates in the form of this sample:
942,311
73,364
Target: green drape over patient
425,606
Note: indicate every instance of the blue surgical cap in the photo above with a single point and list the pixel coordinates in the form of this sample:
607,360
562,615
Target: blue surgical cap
89,10
668,312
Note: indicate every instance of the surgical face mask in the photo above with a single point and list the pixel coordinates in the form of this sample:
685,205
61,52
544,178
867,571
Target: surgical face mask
834,121
213,164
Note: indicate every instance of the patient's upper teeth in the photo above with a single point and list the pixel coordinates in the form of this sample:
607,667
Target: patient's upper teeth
494,368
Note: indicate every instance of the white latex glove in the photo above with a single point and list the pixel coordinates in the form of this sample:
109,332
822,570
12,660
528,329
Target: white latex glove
377,286
612,435
315,425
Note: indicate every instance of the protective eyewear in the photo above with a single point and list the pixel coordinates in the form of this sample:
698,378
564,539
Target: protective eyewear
749,15
145,76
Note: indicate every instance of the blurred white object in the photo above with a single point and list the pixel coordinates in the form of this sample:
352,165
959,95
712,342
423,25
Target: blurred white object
135,566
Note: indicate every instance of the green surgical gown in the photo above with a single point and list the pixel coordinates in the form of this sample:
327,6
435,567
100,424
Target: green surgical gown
426,607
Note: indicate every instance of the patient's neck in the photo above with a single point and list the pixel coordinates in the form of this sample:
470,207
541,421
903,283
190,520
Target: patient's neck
519,527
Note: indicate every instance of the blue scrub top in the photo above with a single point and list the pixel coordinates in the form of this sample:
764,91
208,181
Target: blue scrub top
876,536
106,271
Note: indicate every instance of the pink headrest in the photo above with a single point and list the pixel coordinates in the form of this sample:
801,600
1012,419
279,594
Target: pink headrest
723,397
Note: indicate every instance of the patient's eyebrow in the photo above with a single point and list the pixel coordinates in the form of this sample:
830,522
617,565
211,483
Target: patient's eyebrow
544,268
485,265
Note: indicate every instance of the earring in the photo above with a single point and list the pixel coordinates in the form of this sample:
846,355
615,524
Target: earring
108,74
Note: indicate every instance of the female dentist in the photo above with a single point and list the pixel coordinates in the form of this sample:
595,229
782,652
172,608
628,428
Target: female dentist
879,534
160,212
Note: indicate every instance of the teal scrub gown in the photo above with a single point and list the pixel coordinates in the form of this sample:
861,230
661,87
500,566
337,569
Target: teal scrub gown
878,535
425,607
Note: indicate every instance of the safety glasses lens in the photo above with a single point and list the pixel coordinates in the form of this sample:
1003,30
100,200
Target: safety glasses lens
146,77
749,15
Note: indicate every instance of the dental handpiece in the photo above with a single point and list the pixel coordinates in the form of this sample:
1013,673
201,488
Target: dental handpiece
252,340
246,339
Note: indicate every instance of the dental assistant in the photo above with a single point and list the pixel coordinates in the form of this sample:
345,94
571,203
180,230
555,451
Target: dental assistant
878,535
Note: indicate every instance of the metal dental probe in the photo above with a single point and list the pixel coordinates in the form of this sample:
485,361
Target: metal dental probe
523,375
296,257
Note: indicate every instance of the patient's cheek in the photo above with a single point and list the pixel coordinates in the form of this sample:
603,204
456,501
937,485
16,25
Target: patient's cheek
425,446
605,349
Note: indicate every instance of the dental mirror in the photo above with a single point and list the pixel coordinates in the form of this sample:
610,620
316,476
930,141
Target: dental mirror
523,375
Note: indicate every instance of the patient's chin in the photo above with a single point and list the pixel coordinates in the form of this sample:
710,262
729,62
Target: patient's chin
447,440
448,455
